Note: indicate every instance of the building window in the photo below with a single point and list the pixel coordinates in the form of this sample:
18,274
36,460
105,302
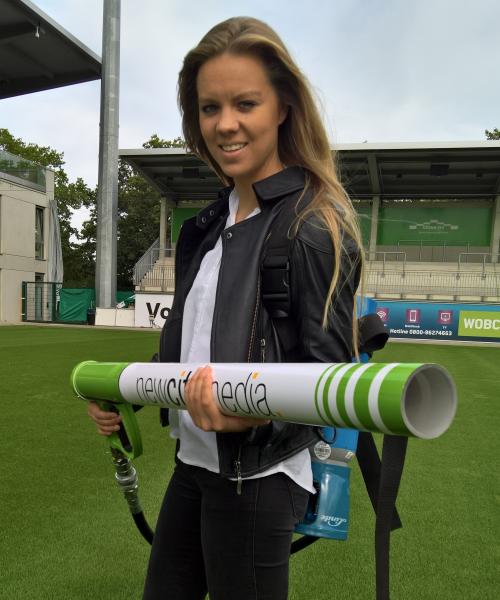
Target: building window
39,231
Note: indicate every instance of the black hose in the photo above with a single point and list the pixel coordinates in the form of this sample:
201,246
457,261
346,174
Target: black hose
143,527
303,542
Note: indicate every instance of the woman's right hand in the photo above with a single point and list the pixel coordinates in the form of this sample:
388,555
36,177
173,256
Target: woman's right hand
107,421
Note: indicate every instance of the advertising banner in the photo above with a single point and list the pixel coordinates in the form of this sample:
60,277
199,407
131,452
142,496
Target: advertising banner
151,310
435,320
455,226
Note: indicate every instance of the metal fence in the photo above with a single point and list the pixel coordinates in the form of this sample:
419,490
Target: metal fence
40,301
449,283
435,252
159,278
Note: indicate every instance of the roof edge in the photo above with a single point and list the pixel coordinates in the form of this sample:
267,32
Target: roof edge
44,17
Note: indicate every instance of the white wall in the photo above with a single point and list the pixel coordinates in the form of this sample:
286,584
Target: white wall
17,241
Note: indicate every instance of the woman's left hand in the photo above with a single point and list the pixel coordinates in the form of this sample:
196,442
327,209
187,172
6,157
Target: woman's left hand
203,409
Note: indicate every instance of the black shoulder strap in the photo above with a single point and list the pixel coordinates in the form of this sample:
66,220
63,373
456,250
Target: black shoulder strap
275,277
381,477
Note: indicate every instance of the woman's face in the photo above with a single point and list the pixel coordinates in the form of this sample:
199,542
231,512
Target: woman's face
239,114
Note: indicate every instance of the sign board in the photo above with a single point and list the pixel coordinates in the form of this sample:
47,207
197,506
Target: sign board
438,321
151,310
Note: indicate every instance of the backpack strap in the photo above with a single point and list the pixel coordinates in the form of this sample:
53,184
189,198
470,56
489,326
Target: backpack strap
275,277
393,459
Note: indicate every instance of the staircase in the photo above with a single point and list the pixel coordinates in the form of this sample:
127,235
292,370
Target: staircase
155,270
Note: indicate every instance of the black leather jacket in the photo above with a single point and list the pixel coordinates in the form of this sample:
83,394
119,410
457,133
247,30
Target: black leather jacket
242,330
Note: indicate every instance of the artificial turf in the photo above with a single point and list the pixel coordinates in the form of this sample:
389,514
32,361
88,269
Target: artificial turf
65,529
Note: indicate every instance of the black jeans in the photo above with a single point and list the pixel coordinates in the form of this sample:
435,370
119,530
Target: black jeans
210,539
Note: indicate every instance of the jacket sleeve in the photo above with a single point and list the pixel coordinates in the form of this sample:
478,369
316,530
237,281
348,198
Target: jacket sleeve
312,263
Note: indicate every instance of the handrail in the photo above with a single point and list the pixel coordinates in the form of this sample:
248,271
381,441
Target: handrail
484,255
433,282
421,244
160,276
385,254
145,263
148,260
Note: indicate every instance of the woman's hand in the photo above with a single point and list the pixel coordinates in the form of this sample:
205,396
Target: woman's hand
204,410
107,421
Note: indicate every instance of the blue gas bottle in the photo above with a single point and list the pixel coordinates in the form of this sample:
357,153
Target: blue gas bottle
327,513
328,510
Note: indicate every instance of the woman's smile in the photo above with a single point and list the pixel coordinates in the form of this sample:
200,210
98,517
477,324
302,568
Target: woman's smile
232,148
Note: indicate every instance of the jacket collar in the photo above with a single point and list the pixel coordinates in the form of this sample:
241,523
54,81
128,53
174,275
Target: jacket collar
288,181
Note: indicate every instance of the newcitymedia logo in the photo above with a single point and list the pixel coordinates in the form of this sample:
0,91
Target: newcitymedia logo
248,396
479,323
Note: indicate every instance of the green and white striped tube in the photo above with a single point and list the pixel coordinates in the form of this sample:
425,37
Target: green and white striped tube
417,400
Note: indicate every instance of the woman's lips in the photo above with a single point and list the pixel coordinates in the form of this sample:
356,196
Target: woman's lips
232,148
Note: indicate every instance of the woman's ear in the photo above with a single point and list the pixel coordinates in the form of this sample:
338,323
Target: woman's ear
283,113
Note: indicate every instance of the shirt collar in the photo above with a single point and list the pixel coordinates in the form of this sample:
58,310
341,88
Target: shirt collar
234,202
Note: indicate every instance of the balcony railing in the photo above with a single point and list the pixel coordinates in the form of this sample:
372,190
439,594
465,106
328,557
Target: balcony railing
19,170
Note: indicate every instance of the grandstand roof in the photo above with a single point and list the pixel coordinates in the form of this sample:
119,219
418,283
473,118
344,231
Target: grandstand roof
37,54
388,170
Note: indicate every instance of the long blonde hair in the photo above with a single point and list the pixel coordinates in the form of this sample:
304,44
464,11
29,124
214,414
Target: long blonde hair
302,139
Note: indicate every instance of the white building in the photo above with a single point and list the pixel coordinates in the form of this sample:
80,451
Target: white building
28,228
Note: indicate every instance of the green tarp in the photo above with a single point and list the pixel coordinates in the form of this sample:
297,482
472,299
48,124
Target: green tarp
74,303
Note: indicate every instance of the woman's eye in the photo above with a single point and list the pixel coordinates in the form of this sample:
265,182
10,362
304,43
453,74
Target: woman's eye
246,104
208,109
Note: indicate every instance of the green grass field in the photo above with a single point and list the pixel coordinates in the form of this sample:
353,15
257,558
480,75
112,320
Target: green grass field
66,533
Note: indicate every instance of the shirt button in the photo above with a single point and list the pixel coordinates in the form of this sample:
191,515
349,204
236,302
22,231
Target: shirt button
212,213
229,235
203,219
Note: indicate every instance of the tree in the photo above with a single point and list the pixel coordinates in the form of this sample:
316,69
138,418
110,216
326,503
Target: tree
138,213
69,196
156,142
492,135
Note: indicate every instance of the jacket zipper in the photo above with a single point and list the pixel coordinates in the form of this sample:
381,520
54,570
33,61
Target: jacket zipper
237,462
254,322
237,468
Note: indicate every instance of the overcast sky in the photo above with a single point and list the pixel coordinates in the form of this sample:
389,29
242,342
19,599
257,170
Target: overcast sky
384,70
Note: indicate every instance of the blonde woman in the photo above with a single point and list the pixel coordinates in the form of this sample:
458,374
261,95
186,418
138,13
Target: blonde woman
240,484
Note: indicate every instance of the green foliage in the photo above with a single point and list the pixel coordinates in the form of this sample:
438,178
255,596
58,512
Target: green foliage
156,142
492,135
138,222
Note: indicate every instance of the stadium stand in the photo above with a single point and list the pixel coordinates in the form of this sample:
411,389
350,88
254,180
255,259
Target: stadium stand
429,212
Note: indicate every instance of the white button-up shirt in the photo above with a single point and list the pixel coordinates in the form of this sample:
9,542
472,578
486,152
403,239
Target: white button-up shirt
199,447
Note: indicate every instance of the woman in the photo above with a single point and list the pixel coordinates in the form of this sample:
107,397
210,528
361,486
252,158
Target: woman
241,484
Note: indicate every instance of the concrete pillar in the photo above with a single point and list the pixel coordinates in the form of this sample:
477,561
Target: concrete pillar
107,197
374,227
495,232
163,226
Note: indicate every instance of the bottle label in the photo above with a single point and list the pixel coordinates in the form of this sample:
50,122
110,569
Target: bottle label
322,450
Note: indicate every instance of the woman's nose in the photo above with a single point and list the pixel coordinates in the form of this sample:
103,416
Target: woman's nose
228,121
